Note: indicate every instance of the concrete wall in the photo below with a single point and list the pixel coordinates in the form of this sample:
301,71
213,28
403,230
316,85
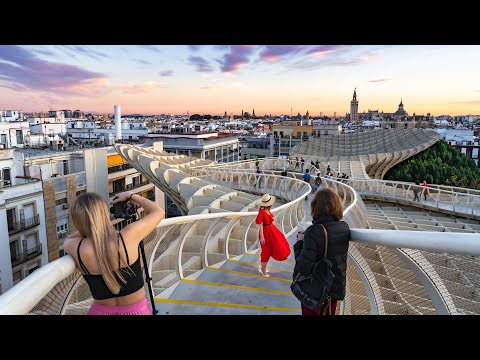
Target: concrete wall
96,171
5,262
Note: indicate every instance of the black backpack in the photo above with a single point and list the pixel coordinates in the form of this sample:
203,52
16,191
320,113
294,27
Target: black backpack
314,290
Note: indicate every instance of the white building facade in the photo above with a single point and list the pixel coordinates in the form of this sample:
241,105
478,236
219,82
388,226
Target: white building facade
23,241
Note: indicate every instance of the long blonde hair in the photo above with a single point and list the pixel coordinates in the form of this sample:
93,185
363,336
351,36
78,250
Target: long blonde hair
90,215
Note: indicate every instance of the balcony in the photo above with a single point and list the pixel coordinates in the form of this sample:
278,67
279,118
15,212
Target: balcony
28,254
129,187
117,168
18,226
136,186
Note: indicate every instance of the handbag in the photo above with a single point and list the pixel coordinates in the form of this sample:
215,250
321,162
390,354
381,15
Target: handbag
313,290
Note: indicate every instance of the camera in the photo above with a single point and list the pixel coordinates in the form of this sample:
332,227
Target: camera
124,210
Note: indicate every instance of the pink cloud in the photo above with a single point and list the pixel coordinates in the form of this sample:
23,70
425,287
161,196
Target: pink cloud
200,63
273,53
25,71
237,57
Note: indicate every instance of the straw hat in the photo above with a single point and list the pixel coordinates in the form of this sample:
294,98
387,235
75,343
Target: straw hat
267,200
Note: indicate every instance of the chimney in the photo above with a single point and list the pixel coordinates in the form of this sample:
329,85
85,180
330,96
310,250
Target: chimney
118,122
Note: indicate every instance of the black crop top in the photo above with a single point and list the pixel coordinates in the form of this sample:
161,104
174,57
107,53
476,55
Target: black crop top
100,290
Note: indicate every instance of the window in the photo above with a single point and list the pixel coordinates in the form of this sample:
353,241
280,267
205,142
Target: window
3,139
29,271
61,253
299,134
19,137
80,192
11,218
14,250
30,242
305,134
135,181
6,177
65,167
17,276
61,201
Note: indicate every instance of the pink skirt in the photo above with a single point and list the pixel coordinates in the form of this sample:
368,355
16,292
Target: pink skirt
140,308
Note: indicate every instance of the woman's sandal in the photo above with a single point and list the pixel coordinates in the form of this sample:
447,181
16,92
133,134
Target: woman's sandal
261,272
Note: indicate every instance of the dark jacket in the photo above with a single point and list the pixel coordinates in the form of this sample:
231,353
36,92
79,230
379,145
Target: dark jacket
311,249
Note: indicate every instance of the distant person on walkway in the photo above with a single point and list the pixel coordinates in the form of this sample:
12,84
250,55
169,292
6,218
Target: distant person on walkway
307,178
318,182
302,160
317,164
425,190
328,168
108,259
326,210
297,163
258,177
416,191
272,241
284,181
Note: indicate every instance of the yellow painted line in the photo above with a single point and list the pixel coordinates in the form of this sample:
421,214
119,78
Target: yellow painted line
256,265
285,261
236,306
248,274
241,287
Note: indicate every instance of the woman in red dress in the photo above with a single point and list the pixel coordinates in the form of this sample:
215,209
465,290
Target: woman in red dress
273,242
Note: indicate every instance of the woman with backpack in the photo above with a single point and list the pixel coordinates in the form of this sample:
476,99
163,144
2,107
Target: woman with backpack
327,213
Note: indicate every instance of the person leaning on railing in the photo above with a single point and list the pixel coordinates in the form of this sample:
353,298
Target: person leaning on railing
109,260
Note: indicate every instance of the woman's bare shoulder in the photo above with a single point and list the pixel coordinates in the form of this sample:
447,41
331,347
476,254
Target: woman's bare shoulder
71,243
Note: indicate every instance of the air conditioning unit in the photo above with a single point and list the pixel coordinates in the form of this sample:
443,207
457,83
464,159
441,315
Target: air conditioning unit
65,206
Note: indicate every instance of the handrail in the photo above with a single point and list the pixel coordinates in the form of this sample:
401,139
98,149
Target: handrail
464,243
21,298
447,200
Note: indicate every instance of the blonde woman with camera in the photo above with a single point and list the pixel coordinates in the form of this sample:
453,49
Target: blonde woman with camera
108,259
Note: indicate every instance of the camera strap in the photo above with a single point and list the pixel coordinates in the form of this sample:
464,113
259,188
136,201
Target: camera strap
148,279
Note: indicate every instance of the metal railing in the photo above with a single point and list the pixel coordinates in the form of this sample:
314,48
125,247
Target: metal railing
129,187
457,201
21,225
26,255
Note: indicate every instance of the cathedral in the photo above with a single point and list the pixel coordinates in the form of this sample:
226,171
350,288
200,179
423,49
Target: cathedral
401,111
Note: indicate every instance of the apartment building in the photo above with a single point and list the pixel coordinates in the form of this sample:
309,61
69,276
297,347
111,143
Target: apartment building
287,134
23,246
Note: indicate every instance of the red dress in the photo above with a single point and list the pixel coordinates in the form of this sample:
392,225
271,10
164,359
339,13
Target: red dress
276,245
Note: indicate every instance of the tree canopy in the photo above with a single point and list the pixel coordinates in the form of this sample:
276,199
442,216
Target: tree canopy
439,164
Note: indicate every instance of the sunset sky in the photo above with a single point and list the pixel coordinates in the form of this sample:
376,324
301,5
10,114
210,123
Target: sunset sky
212,79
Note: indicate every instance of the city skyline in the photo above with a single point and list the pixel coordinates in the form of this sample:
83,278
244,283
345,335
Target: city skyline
212,79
